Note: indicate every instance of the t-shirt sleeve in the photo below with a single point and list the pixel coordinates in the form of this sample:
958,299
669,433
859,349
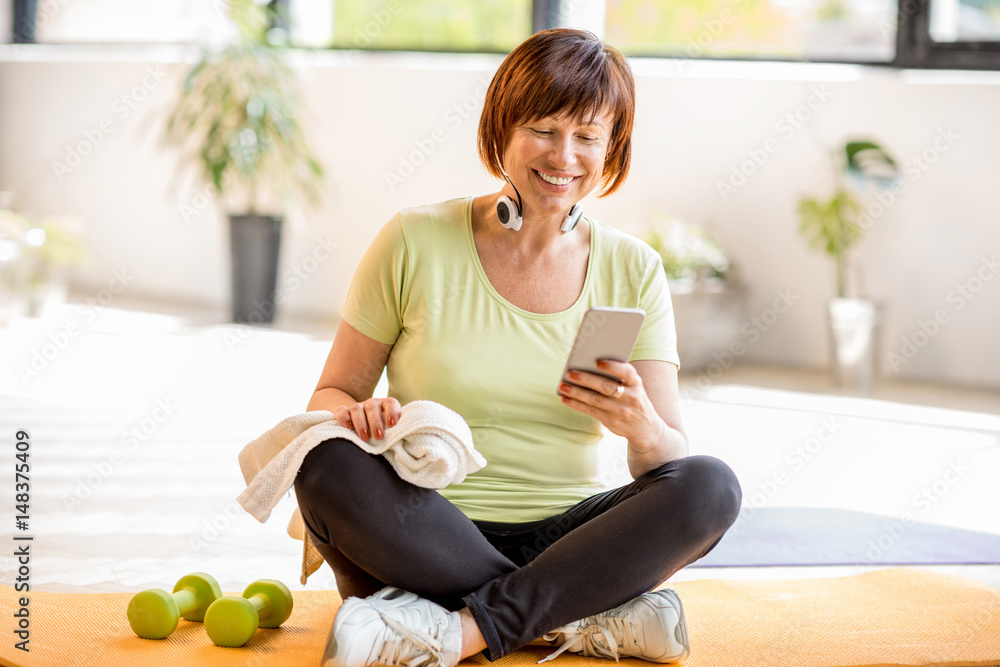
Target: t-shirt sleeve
376,297
658,336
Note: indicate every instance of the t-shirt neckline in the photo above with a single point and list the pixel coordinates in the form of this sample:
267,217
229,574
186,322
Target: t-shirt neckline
581,299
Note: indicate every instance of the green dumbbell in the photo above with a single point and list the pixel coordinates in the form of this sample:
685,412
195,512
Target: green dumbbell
154,614
232,621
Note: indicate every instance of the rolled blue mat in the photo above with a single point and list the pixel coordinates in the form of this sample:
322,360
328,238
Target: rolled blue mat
820,536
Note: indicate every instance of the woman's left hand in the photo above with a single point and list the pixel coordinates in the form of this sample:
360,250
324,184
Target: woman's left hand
624,408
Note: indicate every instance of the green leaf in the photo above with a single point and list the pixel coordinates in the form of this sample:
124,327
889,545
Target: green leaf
212,110
869,161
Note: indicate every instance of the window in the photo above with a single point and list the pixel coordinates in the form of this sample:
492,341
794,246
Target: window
900,33
835,30
424,25
127,21
432,25
965,21
949,33
904,33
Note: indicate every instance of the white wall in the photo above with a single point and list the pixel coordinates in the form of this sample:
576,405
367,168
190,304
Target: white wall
695,123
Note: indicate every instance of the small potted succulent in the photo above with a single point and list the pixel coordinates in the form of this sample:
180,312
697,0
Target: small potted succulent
235,120
835,226
707,298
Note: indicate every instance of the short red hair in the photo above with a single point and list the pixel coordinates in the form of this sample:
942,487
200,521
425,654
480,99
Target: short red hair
556,72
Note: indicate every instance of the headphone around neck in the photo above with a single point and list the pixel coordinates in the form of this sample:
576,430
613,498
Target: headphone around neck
509,212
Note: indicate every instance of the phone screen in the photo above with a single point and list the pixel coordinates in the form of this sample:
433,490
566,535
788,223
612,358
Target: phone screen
604,333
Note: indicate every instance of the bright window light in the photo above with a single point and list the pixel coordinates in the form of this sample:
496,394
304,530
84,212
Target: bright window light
965,20
35,237
843,30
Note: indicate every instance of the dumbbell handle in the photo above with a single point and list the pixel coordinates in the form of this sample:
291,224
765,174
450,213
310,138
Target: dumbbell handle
186,601
261,603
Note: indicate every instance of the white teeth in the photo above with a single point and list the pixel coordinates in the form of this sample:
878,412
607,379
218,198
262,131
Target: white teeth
555,181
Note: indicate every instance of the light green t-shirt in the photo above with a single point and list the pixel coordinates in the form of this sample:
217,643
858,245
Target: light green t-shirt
421,288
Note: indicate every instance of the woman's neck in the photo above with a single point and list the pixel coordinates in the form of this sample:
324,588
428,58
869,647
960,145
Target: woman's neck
537,233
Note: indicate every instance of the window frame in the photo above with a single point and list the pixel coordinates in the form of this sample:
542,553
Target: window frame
915,49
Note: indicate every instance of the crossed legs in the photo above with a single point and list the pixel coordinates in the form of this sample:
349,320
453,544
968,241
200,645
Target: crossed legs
375,530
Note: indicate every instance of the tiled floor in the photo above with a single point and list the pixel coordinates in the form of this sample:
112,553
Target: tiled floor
136,420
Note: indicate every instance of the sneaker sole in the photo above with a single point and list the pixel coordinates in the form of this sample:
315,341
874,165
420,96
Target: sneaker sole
680,632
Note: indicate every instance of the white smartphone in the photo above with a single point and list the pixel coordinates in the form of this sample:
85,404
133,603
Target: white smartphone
605,333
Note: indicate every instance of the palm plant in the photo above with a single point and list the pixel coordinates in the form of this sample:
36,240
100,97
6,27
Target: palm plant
236,120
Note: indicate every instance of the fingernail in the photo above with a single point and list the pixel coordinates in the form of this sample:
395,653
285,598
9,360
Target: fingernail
365,435
564,387
573,375
378,433
392,421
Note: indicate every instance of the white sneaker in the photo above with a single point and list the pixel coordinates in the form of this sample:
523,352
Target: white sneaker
393,627
650,627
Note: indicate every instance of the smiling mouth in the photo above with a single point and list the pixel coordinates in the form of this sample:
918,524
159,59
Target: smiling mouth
554,180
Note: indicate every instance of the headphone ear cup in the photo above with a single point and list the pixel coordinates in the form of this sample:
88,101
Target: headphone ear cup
572,218
508,213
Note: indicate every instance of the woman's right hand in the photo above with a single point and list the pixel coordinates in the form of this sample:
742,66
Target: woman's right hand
370,417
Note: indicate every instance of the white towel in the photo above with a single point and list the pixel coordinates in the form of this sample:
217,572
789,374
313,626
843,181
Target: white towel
430,446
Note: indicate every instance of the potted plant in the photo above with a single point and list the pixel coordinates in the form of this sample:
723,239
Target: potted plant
35,256
707,300
835,226
235,119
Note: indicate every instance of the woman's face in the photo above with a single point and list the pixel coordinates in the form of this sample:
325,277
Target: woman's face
555,162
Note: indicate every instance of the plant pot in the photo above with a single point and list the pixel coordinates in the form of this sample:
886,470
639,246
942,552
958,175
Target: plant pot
854,326
707,316
25,21
255,242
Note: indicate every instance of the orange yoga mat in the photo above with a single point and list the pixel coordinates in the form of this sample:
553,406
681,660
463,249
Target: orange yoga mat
888,617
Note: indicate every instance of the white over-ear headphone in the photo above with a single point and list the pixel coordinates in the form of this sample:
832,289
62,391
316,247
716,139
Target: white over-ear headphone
509,212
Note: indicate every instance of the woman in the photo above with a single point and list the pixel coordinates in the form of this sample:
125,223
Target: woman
475,307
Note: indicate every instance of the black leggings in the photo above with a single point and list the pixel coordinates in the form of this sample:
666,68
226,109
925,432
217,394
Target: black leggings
518,580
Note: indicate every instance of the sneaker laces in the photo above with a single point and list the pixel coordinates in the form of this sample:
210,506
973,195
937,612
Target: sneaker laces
401,650
597,638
